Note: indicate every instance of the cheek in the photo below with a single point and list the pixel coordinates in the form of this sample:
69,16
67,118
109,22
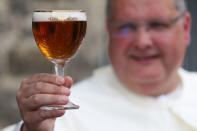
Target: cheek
172,49
174,58
118,48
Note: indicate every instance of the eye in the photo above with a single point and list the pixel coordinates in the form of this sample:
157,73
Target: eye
128,27
159,25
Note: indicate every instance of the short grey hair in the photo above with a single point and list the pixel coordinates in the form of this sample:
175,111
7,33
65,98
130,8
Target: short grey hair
179,4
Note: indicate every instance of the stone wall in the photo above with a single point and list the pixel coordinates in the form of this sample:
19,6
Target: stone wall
19,54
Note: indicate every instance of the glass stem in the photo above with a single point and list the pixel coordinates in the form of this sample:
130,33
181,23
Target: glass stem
59,69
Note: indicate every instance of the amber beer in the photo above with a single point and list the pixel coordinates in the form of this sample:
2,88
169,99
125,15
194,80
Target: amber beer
59,39
58,34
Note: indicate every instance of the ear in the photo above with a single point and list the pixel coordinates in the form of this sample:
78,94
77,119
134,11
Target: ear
187,27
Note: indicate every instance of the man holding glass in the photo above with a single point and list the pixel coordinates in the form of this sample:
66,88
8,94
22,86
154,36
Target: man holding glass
143,89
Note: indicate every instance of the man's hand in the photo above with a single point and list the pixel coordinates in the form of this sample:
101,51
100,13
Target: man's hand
42,90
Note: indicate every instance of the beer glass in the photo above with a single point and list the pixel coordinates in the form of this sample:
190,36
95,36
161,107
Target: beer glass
58,34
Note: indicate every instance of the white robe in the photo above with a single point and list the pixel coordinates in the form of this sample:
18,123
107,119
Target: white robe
107,105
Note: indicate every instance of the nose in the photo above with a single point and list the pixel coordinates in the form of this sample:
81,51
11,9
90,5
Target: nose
143,39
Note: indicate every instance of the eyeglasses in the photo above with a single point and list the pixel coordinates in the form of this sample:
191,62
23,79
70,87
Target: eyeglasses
156,26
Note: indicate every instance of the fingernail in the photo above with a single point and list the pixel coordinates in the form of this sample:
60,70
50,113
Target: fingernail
60,80
68,77
64,90
64,98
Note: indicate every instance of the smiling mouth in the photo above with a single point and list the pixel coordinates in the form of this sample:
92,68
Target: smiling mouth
141,58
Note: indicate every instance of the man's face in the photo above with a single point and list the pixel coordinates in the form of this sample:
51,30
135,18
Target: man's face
146,56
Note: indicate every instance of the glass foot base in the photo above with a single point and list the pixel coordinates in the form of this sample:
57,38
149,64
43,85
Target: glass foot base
68,106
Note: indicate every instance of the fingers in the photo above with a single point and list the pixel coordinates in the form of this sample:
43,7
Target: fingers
42,90
45,88
68,81
36,101
45,84
38,116
50,114
48,78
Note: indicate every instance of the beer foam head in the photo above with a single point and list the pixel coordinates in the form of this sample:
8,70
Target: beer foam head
59,15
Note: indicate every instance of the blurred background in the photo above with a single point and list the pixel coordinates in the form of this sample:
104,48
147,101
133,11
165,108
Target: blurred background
20,56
